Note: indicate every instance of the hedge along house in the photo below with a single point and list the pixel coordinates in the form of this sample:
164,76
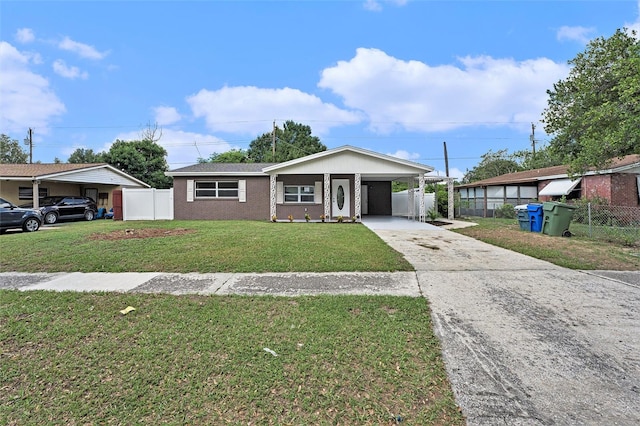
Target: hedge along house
27,183
619,185
345,181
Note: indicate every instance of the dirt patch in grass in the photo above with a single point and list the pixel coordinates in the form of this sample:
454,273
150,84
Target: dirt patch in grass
126,234
438,222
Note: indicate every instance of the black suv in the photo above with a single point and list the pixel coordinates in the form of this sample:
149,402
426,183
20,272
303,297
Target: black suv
61,207
12,216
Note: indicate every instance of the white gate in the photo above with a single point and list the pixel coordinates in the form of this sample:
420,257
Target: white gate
147,204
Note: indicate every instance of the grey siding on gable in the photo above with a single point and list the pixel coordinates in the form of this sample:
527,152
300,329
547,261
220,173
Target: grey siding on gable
255,208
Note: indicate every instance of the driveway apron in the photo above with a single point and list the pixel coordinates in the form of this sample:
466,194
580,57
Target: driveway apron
526,342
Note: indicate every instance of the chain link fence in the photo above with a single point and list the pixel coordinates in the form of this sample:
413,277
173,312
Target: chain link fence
617,224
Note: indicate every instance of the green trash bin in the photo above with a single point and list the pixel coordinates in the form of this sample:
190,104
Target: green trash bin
523,218
557,217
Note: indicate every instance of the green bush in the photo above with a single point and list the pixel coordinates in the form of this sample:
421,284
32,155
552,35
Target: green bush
507,211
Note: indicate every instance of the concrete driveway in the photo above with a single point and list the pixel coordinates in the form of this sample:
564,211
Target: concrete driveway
526,342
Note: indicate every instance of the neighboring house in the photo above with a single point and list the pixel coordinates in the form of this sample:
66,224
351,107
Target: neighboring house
619,185
345,181
26,183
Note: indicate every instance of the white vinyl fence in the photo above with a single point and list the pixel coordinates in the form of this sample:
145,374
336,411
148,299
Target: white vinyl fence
400,203
147,204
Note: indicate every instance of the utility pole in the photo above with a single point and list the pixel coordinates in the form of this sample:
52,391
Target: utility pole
29,141
446,159
533,139
273,142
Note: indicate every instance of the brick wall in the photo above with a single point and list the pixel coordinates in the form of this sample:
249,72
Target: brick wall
624,190
255,208
596,186
299,210
257,205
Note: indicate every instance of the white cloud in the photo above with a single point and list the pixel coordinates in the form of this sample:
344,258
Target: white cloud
184,148
635,25
372,5
580,34
61,68
251,110
35,57
166,115
25,35
414,96
83,50
375,6
405,155
26,100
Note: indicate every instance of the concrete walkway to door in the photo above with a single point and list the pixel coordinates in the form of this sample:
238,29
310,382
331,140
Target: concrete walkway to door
526,342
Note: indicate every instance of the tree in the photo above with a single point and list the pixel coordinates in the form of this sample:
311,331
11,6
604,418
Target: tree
151,133
544,157
11,152
231,156
294,140
144,160
493,164
594,114
83,156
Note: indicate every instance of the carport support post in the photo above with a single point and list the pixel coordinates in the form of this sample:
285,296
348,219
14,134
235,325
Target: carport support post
411,204
272,196
358,190
421,192
36,193
450,203
327,196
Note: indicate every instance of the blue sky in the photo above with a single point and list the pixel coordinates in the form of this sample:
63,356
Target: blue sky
398,77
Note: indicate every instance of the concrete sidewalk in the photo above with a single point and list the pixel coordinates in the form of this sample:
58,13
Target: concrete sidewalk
274,284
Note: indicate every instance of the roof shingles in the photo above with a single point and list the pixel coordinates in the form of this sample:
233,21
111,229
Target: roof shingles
35,170
547,172
223,168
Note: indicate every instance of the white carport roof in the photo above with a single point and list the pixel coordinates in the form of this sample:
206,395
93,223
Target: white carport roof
559,187
348,160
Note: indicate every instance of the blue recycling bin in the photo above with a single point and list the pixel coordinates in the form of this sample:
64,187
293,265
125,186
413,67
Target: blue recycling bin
536,216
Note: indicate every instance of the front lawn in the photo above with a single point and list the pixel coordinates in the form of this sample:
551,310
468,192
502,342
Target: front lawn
575,252
73,358
198,246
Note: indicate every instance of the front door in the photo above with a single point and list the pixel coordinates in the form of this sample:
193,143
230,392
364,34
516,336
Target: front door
340,198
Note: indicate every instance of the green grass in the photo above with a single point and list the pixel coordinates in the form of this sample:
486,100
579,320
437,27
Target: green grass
211,246
577,252
72,358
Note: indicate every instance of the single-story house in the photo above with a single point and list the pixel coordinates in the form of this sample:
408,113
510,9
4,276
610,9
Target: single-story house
619,185
345,181
25,183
